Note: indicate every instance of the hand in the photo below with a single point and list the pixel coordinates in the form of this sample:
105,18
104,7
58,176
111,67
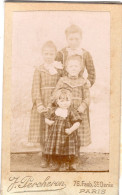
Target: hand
41,109
81,109
87,84
48,122
68,131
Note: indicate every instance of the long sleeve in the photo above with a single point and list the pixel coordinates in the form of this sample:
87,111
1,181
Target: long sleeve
86,98
36,88
90,67
59,57
53,96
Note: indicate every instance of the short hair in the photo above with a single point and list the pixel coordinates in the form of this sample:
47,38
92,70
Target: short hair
49,44
73,29
74,57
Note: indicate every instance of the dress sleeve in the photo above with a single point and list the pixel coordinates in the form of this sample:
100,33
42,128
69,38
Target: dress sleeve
90,68
36,88
59,57
53,96
50,114
86,97
75,116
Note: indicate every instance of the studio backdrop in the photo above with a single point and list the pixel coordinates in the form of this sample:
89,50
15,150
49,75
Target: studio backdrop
30,30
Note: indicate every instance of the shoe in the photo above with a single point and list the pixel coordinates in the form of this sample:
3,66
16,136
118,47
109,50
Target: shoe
44,162
64,166
54,166
72,167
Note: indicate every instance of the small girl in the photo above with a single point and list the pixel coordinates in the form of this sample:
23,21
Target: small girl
74,36
62,143
44,81
79,87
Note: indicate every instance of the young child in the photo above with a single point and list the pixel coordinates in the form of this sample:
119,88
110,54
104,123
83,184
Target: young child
62,143
75,82
74,36
44,81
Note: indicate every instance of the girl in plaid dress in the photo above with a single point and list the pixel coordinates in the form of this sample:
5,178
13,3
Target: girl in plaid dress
79,87
74,36
44,81
62,140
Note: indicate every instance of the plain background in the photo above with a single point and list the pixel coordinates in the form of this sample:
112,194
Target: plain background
1,70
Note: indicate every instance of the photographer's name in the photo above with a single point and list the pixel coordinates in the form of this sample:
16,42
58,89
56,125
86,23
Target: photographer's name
28,184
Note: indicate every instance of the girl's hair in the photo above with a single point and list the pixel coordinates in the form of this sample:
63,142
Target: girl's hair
73,29
63,94
49,44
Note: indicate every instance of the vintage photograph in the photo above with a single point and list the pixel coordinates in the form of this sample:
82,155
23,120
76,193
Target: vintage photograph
60,91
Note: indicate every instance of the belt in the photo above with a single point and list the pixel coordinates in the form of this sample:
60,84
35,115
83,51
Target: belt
47,87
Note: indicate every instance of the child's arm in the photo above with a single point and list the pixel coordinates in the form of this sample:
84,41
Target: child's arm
86,100
53,96
48,121
59,57
90,68
49,115
73,128
36,92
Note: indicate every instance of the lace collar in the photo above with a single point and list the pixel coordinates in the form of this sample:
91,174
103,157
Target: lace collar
76,82
52,69
78,51
61,112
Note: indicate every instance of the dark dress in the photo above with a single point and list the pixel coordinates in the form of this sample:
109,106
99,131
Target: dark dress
57,142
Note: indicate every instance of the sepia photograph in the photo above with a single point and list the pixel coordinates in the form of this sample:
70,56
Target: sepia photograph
61,98
60,91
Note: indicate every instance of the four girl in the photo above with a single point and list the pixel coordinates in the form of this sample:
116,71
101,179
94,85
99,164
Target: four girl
60,95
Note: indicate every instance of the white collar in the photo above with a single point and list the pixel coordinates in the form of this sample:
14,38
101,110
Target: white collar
52,68
77,51
61,112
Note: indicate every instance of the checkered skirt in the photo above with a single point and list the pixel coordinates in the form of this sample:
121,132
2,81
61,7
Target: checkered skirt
42,88
57,142
79,95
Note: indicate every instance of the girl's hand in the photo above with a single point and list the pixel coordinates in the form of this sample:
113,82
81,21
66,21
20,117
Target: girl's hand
81,109
49,122
41,109
68,131
87,84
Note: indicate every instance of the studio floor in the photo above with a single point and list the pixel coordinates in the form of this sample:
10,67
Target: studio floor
30,162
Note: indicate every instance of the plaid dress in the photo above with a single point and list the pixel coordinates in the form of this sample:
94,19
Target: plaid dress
57,141
87,61
42,87
81,96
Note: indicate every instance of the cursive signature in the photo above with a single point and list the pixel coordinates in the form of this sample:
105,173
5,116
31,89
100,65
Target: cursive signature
27,183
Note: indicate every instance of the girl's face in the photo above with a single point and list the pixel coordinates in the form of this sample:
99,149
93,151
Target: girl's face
73,67
74,40
64,102
49,55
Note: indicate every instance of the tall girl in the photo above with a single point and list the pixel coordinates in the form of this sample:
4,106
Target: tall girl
74,37
44,81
